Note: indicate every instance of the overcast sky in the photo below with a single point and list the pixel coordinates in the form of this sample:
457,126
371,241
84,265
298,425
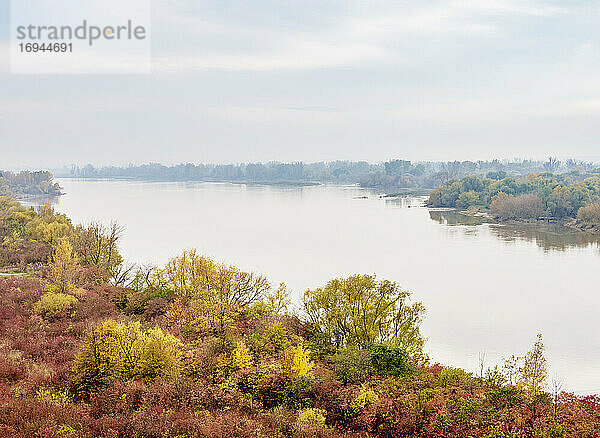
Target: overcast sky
261,80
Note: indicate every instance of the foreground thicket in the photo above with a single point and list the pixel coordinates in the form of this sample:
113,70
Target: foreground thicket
101,366
200,348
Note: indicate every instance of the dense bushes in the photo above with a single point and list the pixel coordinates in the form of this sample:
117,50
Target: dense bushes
122,352
30,236
22,253
590,214
389,361
51,304
19,223
506,207
558,196
352,365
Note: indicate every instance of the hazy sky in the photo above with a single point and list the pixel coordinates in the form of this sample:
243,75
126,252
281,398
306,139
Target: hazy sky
308,80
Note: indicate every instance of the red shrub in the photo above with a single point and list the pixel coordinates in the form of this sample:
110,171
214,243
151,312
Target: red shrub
23,253
9,370
272,390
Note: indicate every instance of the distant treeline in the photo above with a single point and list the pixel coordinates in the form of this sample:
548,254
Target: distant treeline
28,183
389,175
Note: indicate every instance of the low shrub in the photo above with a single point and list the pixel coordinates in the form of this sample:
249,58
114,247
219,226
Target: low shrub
389,361
352,365
454,377
10,369
24,252
51,304
365,397
310,417
272,391
590,214
507,207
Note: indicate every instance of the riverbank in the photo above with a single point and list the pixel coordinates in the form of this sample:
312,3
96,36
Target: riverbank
568,224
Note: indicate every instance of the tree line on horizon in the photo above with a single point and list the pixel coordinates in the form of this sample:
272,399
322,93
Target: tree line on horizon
388,175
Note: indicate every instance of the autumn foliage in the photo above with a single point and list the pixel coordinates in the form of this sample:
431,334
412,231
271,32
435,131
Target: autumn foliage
221,356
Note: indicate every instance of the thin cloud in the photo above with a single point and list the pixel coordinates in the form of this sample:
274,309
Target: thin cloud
356,37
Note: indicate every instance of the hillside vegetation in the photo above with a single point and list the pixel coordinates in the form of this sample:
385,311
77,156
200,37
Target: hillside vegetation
93,347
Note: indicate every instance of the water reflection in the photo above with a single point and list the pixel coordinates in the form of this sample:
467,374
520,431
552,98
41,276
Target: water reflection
404,201
550,237
453,217
36,200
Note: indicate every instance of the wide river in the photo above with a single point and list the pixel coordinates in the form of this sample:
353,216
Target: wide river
487,288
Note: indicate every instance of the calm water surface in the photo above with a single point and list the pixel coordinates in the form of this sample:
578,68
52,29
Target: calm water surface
486,287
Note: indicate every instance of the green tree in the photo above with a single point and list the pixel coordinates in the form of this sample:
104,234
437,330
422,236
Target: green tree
361,311
467,199
389,361
48,226
559,203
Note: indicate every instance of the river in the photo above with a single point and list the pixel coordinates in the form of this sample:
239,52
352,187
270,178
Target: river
487,288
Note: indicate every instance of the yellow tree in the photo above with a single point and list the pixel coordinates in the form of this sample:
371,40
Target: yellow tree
296,361
534,372
217,292
48,226
193,276
278,300
63,267
242,359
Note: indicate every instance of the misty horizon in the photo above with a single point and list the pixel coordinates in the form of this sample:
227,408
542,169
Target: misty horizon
99,165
